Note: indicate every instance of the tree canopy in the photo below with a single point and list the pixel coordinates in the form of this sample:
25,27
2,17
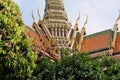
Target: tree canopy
78,67
16,55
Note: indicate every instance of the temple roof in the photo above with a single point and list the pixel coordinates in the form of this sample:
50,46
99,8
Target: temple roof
32,34
98,41
93,43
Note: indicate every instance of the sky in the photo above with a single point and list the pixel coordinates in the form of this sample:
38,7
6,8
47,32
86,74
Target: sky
101,13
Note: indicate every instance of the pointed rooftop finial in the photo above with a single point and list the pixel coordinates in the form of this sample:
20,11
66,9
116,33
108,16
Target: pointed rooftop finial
38,12
78,17
118,17
33,16
86,21
34,22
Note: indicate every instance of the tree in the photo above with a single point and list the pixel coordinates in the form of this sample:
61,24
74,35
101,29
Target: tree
110,68
78,67
45,70
16,55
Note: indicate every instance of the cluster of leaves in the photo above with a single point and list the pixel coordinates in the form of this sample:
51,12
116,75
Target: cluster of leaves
16,55
78,67
111,68
45,70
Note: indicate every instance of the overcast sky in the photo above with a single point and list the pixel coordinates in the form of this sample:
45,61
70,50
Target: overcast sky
101,13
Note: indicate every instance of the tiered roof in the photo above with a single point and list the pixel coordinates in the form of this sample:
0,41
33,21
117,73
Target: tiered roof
97,42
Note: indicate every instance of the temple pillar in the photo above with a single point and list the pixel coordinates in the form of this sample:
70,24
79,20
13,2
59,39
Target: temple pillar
52,32
59,32
56,32
63,32
66,32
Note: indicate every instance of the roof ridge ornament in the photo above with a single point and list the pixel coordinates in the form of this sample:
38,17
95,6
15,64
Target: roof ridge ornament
38,12
111,50
78,18
86,21
83,32
116,22
33,16
118,17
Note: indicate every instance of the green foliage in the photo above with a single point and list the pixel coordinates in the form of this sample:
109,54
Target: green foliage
64,53
45,70
78,67
112,66
16,55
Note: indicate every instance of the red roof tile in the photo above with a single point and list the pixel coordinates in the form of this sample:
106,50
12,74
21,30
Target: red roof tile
96,41
32,34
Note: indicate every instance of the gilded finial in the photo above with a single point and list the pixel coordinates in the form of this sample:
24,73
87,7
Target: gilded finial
86,21
118,17
34,22
78,17
38,12
33,16
116,22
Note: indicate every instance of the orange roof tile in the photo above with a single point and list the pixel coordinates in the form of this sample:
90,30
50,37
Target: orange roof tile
97,41
32,34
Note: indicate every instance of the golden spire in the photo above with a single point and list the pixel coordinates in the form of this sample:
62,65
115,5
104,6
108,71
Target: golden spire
34,22
33,16
38,12
78,18
84,26
118,17
85,21
111,50
116,22
83,32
